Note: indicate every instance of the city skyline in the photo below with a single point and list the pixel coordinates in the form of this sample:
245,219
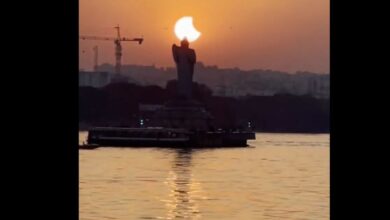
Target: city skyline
286,36
225,82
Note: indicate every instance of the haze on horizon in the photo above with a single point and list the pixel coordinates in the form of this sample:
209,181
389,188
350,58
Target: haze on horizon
283,35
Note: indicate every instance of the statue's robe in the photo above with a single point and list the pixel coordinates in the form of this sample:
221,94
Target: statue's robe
185,58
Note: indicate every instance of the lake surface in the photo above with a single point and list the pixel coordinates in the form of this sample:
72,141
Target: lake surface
281,176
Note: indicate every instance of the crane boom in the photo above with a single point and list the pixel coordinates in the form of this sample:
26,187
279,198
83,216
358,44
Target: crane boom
134,39
140,40
96,38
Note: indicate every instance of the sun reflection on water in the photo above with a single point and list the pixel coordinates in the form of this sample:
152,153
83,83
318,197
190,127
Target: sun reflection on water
184,190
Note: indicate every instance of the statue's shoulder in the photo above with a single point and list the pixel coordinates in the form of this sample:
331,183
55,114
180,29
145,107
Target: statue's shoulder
175,48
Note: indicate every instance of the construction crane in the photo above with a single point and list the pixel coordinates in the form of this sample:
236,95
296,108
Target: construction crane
118,47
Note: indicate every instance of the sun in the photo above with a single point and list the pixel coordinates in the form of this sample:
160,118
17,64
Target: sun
185,28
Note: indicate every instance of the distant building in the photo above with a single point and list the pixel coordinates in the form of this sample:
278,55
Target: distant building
94,79
319,87
118,78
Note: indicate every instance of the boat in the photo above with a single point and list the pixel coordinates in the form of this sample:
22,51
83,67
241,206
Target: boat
166,137
88,146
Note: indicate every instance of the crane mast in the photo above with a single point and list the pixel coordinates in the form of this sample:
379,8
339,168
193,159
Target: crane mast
95,50
118,52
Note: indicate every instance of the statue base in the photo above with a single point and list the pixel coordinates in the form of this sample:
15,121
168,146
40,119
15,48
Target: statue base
183,113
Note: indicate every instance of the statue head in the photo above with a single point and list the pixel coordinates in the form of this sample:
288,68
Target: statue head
184,43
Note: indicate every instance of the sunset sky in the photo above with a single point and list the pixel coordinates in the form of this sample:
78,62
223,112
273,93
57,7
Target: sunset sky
285,35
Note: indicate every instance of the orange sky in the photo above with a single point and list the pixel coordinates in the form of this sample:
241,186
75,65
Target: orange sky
286,35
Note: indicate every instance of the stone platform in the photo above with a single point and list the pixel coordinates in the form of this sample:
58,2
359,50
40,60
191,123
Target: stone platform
181,113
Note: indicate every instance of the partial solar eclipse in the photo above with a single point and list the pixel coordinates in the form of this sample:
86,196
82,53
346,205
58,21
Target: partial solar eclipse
184,28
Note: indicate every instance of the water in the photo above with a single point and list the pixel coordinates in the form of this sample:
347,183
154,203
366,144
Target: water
283,176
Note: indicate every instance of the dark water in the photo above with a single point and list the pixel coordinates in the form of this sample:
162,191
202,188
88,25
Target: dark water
283,176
